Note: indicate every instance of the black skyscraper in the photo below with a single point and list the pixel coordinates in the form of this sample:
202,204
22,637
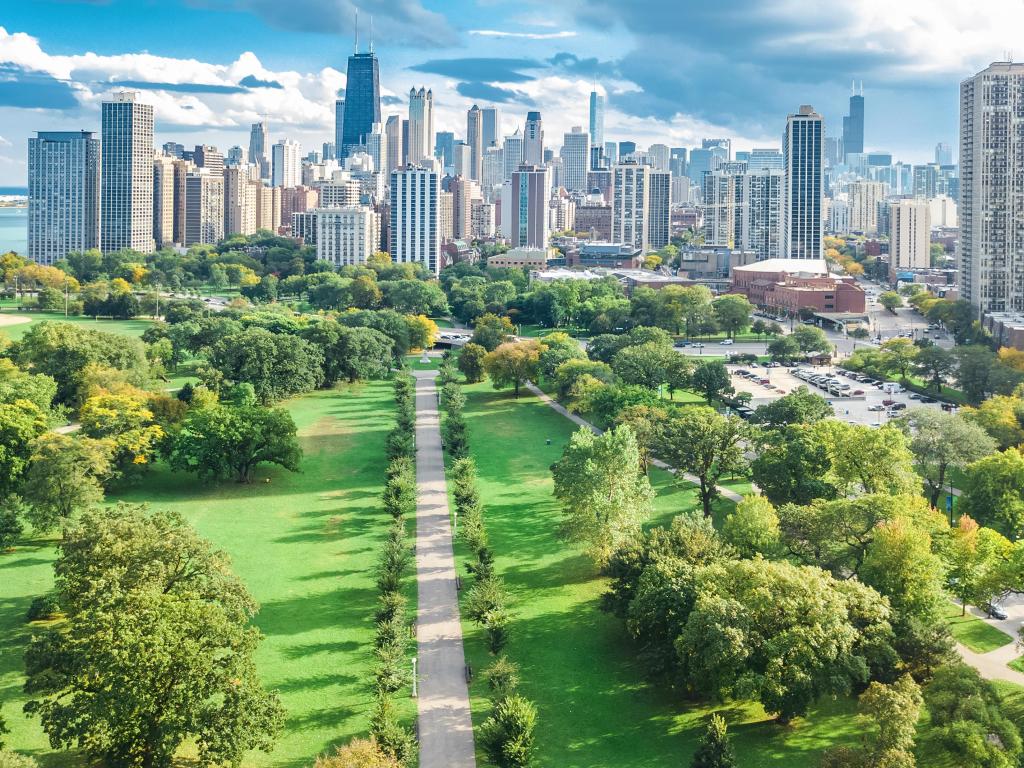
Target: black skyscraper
362,101
853,125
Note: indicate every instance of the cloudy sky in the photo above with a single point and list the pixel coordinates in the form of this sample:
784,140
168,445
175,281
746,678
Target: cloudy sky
673,71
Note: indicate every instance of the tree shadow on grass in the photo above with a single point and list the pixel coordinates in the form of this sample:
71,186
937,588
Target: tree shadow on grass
309,649
314,682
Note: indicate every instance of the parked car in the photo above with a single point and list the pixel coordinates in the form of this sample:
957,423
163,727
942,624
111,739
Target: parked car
697,345
915,396
899,406
857,392
725,342
888,401
876,407
926,399
995,611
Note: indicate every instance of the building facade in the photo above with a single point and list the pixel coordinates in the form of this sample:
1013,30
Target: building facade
346,236
287,166
804,162
420,143
575,155
533,140
126,174
362,101
63,194
204,207
415,232
909,235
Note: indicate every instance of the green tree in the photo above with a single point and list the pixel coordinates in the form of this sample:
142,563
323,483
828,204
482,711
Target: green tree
976,558
559,347
359,753
811,339
792,466
350,354
714,750
993,492
801,406
711,378
890,300
156,652
64,477
276,364
699,440
1002,417
507,735
471,362
753,527
867,459
941,441
513,363
784,348
491,331
16,384
604,496
899,355
935,364
222,441
414,297
645,421
644,364
732,312
900,564
21,422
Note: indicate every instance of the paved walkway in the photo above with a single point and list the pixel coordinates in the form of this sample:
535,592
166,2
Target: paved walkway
445,725
576,419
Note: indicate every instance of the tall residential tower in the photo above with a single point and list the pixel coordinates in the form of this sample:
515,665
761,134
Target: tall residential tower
63,194
803,153
126,178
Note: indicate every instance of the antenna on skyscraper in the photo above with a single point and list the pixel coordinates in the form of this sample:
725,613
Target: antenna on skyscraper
371,34
356,45
853,87
862,88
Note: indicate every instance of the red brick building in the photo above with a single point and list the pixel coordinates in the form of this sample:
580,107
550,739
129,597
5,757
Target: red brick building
792,284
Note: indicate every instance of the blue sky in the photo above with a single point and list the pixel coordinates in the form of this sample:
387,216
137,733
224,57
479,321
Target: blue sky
673,71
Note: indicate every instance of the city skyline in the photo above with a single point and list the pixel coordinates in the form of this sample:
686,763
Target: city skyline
290,69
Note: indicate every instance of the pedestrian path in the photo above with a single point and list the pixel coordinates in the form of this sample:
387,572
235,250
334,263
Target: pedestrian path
576,419
445,724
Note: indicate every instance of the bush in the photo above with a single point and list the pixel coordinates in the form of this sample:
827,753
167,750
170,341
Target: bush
14,760
393,739
43,607
502,677
507,735
10,528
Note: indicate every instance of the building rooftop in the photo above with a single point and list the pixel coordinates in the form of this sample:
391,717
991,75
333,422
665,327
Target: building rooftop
792,266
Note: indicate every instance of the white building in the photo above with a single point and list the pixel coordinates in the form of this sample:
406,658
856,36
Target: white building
575,156
346,236
163,201
393,138
493,172
597,118
483,217
659,156
512,153
286,165
126,175
533,140
943,211
864,199
421,125
909,235
839,215
415,233
241,188
63,194
475,140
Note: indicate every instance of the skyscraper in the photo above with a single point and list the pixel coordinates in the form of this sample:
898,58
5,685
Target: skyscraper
699,164
362,100
475,140
492,127
287,168
163,200
803,150
853,124
575,150
63,194
204,207
865,197
415,234
659,207
258,143
339,128
393,135
660,156
533,140
493,172
421,125
761,157
443,144
596,118
530,191
992,188
909,235
631,204
943,154
513,153
126,177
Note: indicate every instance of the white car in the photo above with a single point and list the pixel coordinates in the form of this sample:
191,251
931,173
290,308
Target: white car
725,342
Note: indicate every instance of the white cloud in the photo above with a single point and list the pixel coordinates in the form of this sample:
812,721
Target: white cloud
4,142
561,35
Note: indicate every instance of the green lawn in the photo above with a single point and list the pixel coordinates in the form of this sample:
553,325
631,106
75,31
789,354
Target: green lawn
975,633
415,363
577,663
306,545
128,327
1017,664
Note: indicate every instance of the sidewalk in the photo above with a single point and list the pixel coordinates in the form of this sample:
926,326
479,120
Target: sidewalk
445,724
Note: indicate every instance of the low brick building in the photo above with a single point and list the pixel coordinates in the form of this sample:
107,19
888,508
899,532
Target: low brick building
792,284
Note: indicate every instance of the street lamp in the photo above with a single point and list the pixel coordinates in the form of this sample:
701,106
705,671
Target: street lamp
414,677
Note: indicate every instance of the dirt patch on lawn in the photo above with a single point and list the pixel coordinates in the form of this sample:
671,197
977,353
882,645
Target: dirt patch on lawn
6,320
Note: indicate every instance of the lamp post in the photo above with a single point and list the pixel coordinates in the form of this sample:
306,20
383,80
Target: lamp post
414,677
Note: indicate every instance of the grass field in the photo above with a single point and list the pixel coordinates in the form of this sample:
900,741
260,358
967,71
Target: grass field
306,545
577,663
128,327
1017,664
974,632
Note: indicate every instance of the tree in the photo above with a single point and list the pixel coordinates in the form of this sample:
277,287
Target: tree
941,441
935,364
868,459
350,354
678,373
471,362
513,363
155,652
895,708
714,750
732,312
701,441
506,736
898,355
993,492
490,331
645,421
1002,417
711,378
753,528
967,713
276,364
644,364
890,300
784,348
64,476
359,753
604,496
900,564
801,406
414,297
792,466
10,530
571,371
220,441
125,420
811,339
21,422
559,347
976,558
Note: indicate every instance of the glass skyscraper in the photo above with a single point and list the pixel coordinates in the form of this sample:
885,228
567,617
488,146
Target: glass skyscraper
853,125
63,194
596,119
362,100
803,152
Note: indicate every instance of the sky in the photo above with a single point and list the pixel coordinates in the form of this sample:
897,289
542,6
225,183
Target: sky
673,71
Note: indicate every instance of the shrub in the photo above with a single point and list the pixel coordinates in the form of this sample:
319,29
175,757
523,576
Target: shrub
507,735
43,607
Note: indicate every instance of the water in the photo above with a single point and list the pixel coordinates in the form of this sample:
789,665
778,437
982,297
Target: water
14,230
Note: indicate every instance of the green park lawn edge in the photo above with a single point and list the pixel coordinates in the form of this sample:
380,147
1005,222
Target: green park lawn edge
974,633
134,327
1017,665
306,544
596,707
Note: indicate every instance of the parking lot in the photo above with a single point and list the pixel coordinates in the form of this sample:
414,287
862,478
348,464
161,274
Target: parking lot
853,400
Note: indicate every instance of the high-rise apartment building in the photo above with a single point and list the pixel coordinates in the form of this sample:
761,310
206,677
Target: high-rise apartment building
259,143
926,180
529,192
287,167
63,194
464,192
362,100
865,197
493,172
204,207
909,235
943,154
415,234
533,140
234,156
126,174
803,151
700,163
163,201
597,118
575,158
241,186
761,222
346,236
421,126
853,124
462,159
210,158
660,156
992,188
513,153
475,140
491,126
339,128
640,206
761,157
659,209
393,134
